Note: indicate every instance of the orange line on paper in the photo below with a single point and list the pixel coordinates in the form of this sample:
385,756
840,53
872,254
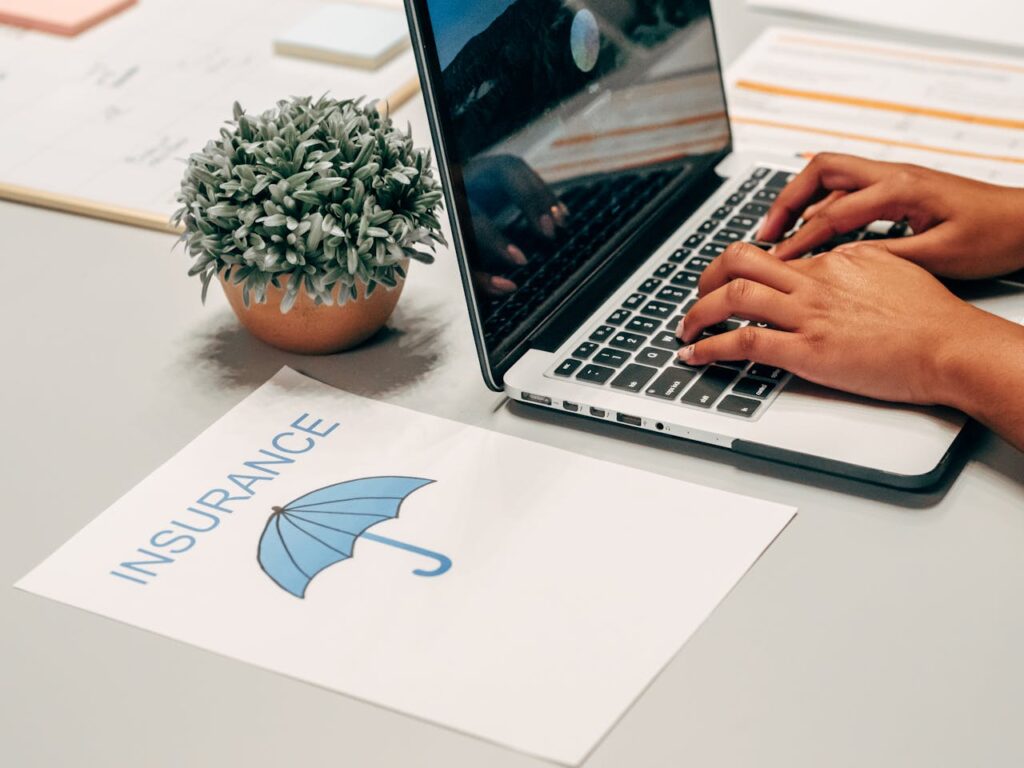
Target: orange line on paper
887,106
878,140
583,138
904,54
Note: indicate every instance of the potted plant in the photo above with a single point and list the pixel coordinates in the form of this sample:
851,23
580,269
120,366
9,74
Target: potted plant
308,215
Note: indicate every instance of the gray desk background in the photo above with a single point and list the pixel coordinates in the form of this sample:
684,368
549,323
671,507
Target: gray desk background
881,629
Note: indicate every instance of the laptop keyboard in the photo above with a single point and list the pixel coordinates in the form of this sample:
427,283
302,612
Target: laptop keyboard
634,350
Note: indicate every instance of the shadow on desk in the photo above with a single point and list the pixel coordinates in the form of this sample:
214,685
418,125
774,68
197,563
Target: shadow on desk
977,443
390,362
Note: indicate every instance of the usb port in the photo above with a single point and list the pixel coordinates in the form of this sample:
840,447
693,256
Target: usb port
625,418
598,412
570,406
539,399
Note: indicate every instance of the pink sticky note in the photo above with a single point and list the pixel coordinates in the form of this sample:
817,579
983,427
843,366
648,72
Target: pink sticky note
61,17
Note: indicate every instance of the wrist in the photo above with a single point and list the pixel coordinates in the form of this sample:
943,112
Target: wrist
965,363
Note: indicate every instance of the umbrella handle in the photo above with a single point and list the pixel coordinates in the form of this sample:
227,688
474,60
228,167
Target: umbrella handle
443,561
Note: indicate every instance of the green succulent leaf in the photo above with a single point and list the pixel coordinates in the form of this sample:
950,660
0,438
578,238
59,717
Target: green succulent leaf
316,195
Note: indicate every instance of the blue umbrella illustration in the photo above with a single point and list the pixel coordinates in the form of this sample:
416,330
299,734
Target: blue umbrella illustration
320,529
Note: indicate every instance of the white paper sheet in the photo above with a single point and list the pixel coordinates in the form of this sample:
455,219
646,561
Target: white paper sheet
985,21
111,115
795,92
572,581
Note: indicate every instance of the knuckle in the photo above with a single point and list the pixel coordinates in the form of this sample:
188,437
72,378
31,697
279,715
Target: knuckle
826,159
735,253
748,339
739,290
906,175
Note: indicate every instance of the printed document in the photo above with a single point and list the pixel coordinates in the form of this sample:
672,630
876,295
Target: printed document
795,92
509,590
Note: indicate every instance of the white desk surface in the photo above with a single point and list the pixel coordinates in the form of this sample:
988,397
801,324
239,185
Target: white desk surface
881,629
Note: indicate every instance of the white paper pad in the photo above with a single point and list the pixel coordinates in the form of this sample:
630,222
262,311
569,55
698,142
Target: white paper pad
572,581
353,34
796,92
110,117
986,21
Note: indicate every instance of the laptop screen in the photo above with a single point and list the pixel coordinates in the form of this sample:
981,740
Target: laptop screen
564,123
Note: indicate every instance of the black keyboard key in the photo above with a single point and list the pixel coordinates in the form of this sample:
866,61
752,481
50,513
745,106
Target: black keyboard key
627,341
722,327
674,322
748,185
757,210
741,222
722,213
612,357
735,199
711,250
667,340
658,309
584,350
689,305
567,367
707,226
644,325
699,263
711,384
596,374
671,382
664,270
618,317
766,196
760,173
739,406
649,286
602,333
729,235
634,301
753,387
675,295
634,377
693,241
685,279
655,357
779,179
739,365
679,255
899,229
766,372
761,244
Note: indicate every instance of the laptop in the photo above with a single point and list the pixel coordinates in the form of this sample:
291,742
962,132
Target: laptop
586,158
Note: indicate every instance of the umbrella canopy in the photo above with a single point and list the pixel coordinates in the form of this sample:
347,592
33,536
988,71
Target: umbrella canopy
320,529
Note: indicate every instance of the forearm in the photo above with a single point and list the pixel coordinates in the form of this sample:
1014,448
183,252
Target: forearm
982,374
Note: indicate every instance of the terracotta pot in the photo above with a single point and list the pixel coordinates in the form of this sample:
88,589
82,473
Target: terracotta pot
315,329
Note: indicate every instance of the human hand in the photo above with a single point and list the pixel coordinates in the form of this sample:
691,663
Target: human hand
861,320
495,183
962,228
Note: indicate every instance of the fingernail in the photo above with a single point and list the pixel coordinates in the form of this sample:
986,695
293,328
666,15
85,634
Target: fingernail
686,353
556,213
547,225
517,256
771,251
681,330
565,209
